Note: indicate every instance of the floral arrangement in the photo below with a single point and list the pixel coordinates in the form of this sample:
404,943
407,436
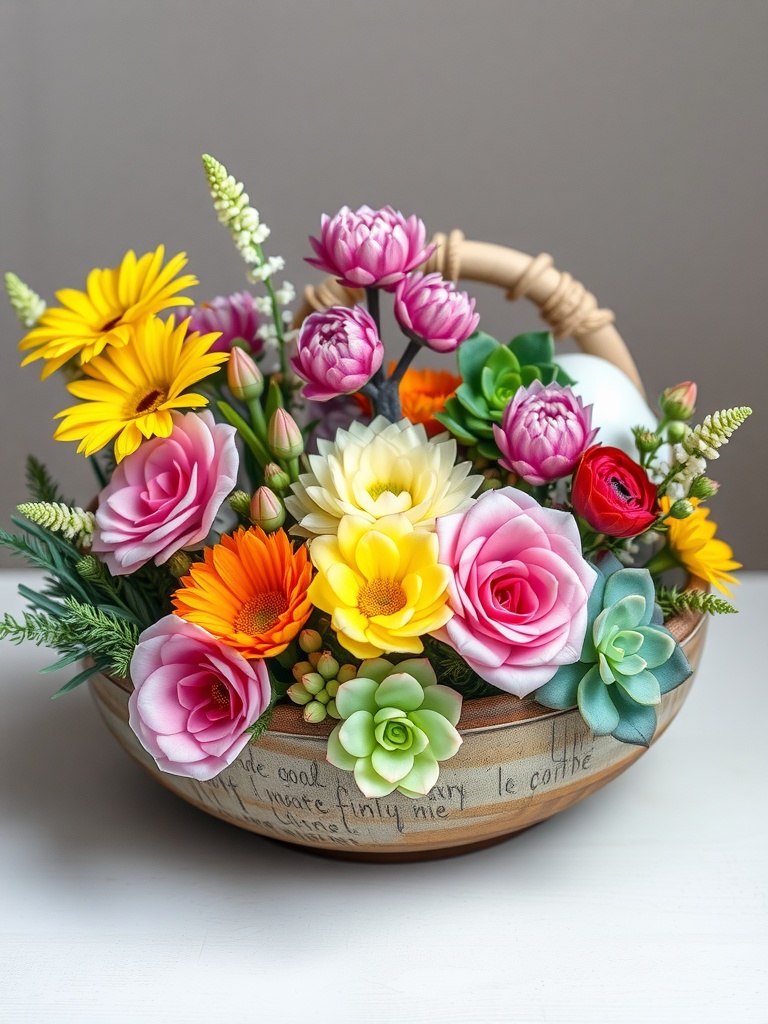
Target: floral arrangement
284,515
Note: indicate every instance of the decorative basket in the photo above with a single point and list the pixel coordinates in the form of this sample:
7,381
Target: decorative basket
519,763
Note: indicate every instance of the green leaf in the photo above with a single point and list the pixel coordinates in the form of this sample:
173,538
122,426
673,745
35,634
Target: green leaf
357,734
595,704
534,347
674,671
637,722
399,690
81,677
472,401
443,738
488,449
561,690
658,645
473,354
642,687
40,484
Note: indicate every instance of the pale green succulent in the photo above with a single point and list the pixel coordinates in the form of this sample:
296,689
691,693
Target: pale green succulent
628,660
397,724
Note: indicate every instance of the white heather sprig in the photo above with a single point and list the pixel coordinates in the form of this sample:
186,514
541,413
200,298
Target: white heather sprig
286,294
232,206
265,270
72,523
25,302
704,440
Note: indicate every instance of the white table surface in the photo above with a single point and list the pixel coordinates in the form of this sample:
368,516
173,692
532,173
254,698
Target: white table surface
118,902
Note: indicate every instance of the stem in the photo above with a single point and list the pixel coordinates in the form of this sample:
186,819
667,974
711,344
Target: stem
237,421
278,322
293,469
412,350
372,297
258,422
662,561
98,471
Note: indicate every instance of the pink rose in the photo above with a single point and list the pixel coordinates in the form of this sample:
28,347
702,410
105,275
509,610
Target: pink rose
166,494
193,698
519,590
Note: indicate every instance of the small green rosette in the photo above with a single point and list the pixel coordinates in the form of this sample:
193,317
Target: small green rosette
491,375
397,723
628,661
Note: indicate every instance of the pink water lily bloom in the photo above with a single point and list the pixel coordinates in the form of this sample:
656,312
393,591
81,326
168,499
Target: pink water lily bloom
337,352
438,314
544,432
370,248
193,698
165,495
519,589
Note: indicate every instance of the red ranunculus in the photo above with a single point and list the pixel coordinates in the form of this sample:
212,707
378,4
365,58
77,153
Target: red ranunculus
613,493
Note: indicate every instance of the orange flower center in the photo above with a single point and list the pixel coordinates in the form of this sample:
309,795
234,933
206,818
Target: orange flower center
219,695
381,597
261,612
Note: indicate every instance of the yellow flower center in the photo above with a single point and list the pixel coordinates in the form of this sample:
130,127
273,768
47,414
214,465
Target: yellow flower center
381,597
376,490
261,612
219,695
149,401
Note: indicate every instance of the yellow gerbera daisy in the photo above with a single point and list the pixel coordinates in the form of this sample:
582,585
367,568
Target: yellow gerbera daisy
693,544
114,301
381,583
133,390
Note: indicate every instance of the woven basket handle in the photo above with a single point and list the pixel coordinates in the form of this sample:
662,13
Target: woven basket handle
565,305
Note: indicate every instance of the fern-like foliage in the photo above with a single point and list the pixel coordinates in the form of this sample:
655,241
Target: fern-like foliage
673,601
451,670
40,484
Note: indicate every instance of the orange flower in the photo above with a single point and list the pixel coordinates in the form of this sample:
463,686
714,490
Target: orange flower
425,392
250,592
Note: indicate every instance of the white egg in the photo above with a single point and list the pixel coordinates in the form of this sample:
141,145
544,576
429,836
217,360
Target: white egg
617,405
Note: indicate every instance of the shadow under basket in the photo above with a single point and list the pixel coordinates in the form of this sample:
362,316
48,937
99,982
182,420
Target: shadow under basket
519,764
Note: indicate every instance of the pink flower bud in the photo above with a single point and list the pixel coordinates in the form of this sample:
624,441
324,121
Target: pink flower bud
284,437
276,478
679,402
370,248
235,316
267,511
337,352
243,376
435,312
544,432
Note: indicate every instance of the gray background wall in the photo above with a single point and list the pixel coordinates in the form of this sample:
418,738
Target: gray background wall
627,139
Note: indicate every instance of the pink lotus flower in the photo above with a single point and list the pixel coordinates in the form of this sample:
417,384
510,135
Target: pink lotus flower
435,312
370,248
234,315
193,698
166,494
337,352
519,590
544,432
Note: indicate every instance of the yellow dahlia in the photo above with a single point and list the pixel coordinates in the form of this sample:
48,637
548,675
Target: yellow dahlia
133,390
693,544
381,584
114,301
380,470
250,592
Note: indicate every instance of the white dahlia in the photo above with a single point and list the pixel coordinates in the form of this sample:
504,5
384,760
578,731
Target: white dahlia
380,470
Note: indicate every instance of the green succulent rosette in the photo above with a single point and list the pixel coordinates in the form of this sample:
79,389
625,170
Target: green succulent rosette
491,375
628,661
397,723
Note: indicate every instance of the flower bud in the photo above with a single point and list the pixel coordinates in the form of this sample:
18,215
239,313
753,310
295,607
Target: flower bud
244,378
267,510
327,666
490,484
332,687
276,478
310,641
299,694
323,696
345,673
240,502
676,431
702,487
646,441
313,657
679,402
300,669
681,509
179,564
313,682
330,708
314,712
284,436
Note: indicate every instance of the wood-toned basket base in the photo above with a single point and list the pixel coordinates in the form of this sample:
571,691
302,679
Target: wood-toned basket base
518,765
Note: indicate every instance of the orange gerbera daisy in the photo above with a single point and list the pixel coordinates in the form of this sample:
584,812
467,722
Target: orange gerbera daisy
250,592
425,392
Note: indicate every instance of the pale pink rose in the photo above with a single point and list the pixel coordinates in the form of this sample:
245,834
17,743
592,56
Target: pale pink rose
370,248
519,590
337,352
544,433
193,698
165,495
435,311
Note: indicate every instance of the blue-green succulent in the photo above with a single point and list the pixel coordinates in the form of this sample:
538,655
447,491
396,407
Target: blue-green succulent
628,661
491,375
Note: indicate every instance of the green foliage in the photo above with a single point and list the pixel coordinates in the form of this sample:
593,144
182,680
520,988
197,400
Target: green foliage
673,601
491,374
261,725
451,670
40,484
